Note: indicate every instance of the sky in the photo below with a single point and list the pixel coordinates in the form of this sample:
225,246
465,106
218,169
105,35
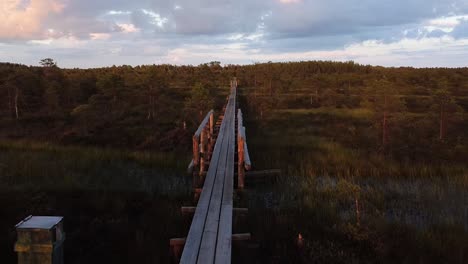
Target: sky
96,33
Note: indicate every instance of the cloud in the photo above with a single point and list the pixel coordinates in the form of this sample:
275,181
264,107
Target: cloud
461,30
99,36
25,20
128,28
389,32
290,1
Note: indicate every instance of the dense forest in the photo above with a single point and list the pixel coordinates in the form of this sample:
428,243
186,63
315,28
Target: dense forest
416,113
373,160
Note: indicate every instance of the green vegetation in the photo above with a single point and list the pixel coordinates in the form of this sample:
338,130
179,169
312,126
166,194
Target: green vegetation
43,166
351,199
373,159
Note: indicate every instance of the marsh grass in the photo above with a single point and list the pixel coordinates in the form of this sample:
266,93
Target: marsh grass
45,166
409,211
119,206
360,113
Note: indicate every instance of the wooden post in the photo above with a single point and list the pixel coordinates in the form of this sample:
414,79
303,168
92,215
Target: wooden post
211,134
240,151
176,246
240,162
211,126
196,152
202,150
247,163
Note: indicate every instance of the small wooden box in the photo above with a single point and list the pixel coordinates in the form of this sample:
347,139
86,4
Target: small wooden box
40,240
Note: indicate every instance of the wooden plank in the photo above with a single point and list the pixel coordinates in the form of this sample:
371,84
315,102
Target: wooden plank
210,234
191,210
208,245
235,237
177,241
197,230
203,123
241,237
192,245
223,246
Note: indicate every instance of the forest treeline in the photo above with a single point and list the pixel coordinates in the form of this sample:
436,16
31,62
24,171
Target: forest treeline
415,111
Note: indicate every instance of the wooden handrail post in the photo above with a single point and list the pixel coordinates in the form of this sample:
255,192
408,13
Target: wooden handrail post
212,124
240,151
247,164
240,162
203,138
196,152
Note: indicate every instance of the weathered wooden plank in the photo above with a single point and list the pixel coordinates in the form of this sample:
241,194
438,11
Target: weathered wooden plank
191,210
196,140
203,123
192,245
210,234
208,245
223,246
241,237
224,241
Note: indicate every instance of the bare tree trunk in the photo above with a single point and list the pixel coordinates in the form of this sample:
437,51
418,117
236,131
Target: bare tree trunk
16,103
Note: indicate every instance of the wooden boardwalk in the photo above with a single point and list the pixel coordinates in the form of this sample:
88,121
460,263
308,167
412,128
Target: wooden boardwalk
210,236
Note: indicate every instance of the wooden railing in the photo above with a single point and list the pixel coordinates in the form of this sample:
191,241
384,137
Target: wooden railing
210,235
243,160
202,141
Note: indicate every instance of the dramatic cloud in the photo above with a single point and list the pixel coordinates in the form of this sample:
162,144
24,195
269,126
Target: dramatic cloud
24,19
88,33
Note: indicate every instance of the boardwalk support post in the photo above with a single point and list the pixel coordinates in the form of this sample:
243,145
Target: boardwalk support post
243,159
196,152
202,150
240,164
